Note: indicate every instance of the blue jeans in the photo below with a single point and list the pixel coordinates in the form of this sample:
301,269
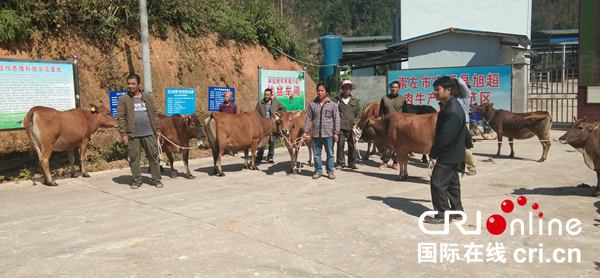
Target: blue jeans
317,145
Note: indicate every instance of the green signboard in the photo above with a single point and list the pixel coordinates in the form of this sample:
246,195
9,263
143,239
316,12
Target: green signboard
589,42
25,84
289,87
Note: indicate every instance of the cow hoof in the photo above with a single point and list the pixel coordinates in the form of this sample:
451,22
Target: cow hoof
596,194
254,168
190,177
53,183
73,175
85,175
221,175
402,178
512,155
173,175
541,160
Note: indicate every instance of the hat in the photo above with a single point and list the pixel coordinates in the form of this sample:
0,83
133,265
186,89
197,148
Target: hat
348,82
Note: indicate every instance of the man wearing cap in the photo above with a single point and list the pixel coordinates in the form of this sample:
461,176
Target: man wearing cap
228,106
349,108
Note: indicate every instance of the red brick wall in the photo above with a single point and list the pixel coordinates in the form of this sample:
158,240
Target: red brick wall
591,111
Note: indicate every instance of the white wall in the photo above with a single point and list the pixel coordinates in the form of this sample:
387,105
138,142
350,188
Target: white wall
419,17
454,50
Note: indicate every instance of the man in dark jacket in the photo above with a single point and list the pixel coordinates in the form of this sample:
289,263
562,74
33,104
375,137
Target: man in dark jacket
447,152
349,108
139,128
267,107
392,102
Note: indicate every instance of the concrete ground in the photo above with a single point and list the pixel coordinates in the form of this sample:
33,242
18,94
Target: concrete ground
268,224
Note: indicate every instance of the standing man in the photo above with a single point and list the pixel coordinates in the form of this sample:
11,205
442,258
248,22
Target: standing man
228,106
267,107
349,108
463,95
448,151
138,126
393,102
323,118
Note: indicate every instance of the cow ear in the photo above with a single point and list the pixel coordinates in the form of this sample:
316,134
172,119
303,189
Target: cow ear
574,118
585,118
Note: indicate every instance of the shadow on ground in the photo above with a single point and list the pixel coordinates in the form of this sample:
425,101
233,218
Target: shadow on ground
408,206
504,157
391,177
584,191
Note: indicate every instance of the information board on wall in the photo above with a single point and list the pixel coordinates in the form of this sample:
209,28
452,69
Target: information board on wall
216,96
180,101
488,84
114,101
25,84
289,87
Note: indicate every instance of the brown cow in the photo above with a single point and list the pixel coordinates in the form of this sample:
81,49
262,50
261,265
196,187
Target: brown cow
236,132
585,137
290,126
404,133
177,131
518,126
51,130
371,112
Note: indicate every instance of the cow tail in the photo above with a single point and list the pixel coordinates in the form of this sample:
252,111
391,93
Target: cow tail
33,136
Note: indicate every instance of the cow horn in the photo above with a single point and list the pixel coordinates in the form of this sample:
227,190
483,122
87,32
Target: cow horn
93,109
297,114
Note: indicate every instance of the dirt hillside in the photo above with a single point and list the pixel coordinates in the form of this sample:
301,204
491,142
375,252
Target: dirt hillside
178,61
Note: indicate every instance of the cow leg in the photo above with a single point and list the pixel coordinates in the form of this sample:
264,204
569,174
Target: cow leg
253,149
45,162
83,158
295,165
512,150
546,146
597,193
246,159
499,144
186,158
218,162
173,173
71,156
402,159
310,154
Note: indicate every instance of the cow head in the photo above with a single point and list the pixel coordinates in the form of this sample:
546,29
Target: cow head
485,109
285,122
579,133
103,116
368,133
194,127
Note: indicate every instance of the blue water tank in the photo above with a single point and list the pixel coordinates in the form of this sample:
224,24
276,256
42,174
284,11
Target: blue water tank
332,52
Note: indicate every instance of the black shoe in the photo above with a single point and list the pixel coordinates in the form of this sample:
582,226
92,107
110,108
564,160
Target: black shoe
135,186
270,160
456,217
433,220
353,167
157,183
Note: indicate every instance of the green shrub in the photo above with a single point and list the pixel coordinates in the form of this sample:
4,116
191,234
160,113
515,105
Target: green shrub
13,27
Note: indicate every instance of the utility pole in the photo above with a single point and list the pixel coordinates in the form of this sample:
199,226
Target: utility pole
281,8
146,67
